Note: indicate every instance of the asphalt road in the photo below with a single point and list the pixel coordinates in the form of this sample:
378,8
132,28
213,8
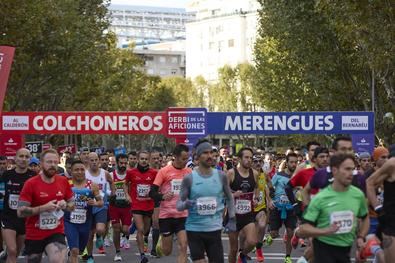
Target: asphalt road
273,253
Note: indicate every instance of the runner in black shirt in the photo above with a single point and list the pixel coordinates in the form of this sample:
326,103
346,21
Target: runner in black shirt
13,227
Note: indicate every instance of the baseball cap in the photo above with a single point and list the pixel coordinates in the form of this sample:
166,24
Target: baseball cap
34,160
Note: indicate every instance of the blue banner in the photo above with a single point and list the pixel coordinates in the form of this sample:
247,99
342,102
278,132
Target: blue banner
280,123
363,143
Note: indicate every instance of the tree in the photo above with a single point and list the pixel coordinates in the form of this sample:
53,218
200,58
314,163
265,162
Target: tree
321,55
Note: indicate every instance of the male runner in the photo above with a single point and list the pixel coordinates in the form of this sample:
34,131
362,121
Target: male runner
13,227
264,201
103,179
104,161
166,189
323,177
204,193
120,215
138,183
333,214
155,163
78,223
310,146
34,165
132,159
243,183
385,176
284,213
84,156
365,162
41,201
319,160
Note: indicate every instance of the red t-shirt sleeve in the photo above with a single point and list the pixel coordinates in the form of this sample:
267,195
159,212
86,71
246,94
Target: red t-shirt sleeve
26,194
295,179
68,192
128,177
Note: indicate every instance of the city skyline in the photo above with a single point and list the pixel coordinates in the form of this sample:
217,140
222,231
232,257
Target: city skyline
162,3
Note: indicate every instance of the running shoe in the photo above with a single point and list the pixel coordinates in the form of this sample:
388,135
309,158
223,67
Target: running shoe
99,242
287,259
158,248
145,246
302,260
268,239
366,251
117,257
294,241
259,255
126,245
132,229
285,237
242,258
101,250
144,259
90,260
107,242
302,243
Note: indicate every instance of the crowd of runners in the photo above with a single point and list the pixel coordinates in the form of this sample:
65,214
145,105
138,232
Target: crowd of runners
327,200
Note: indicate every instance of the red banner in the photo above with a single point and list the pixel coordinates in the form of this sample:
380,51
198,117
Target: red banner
6,57
84,122
10,143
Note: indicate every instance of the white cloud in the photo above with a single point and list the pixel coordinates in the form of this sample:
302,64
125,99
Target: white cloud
164,3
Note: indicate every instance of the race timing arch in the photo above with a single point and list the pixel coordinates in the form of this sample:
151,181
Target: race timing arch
190,124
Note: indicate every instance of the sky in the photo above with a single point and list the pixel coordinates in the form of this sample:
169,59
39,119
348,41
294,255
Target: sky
163,3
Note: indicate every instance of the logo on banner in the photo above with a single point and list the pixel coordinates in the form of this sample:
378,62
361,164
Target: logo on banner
20,123
363,143
352,123
191,122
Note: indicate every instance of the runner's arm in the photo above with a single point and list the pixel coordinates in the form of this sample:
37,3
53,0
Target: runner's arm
289,191
110,182
377,179
256,190
228,196
308,229
24,209
306,194
98,198
154,193
363,228
182,202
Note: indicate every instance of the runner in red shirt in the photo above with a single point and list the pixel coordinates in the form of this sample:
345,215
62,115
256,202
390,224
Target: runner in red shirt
138,183
41,201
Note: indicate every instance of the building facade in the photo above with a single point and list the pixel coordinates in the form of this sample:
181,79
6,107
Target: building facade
223,33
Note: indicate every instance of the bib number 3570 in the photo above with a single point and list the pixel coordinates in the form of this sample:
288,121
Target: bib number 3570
343,219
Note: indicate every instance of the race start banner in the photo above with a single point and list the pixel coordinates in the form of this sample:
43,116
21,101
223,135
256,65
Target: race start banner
187,123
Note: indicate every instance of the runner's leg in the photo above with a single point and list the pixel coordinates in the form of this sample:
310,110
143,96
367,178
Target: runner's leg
233,246
56,252
182,246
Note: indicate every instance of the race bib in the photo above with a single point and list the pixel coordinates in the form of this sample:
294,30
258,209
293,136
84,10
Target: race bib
176,186
206,205
78,216
48,221
283,199
344,219
13,201
243,206
120,194
143,190
260,197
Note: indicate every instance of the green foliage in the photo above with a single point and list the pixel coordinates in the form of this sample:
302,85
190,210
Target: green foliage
66,59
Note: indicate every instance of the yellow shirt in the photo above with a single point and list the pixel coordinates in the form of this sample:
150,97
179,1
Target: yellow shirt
262,192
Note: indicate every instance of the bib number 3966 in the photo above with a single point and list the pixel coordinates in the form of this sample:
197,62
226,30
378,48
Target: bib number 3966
48,221
343,219
206,205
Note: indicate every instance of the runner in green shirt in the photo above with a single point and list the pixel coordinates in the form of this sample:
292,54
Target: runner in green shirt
332,216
